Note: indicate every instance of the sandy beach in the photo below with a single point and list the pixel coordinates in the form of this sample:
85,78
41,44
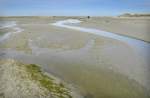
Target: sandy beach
97,66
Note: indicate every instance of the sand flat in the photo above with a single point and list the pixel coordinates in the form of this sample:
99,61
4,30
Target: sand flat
132,27
94,64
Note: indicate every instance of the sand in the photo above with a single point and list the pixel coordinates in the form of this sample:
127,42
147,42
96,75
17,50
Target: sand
130,26
97,66
20,80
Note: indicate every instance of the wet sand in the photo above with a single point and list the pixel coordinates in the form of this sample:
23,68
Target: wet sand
94,64
135,27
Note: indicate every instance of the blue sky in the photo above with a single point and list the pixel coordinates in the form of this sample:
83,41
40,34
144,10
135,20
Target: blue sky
72,7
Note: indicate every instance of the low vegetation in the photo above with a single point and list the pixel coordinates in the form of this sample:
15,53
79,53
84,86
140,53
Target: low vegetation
18,80
36,74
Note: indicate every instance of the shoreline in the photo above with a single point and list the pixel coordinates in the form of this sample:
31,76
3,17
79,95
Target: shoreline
32,73
13,26
141,47
77,57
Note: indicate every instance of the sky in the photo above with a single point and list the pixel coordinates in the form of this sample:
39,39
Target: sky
72,7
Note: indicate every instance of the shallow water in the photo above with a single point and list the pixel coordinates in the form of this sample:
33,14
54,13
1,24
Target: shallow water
92,81
8,25
140,47
77,68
